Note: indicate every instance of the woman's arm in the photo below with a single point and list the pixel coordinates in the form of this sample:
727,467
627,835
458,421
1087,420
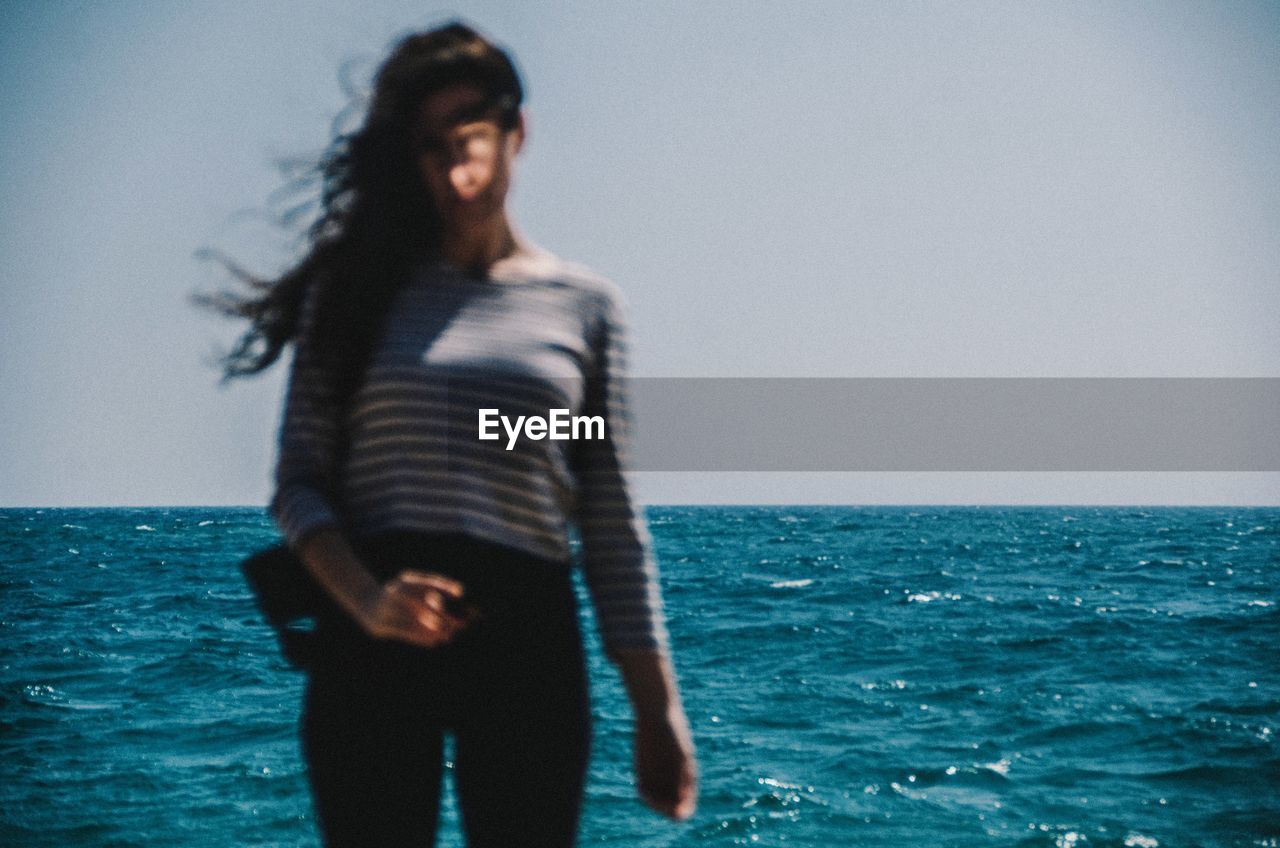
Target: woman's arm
412,606
665,762
622,578
617,552
311,432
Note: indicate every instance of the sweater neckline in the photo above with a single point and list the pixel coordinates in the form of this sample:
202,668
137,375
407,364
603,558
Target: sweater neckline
530,264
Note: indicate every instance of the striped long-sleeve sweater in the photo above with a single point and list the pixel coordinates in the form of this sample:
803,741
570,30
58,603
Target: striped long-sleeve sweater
535,334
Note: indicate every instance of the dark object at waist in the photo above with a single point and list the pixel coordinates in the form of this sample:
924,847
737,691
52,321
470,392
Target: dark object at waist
497,579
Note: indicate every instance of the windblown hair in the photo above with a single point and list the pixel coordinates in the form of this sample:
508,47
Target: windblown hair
376,219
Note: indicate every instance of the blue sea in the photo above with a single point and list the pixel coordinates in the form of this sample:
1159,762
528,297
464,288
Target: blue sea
875,676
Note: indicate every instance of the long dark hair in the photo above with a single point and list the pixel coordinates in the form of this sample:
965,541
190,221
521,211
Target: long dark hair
376,219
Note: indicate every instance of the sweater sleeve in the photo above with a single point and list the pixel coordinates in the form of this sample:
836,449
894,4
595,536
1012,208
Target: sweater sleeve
617,555
306,474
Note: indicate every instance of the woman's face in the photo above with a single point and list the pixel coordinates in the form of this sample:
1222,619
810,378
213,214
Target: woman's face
464,156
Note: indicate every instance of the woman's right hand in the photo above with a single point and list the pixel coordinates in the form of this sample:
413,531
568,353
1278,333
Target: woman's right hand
418,607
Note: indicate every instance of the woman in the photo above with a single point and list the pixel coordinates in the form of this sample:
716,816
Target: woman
418,306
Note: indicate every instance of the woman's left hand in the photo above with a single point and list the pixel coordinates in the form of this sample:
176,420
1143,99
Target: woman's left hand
666,767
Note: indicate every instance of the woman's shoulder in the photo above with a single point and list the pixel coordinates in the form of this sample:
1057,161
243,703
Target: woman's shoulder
595,288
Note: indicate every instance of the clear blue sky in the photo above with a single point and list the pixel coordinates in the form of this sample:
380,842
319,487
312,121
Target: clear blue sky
809,189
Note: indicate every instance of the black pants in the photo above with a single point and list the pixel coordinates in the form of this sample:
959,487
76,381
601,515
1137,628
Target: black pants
512,688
